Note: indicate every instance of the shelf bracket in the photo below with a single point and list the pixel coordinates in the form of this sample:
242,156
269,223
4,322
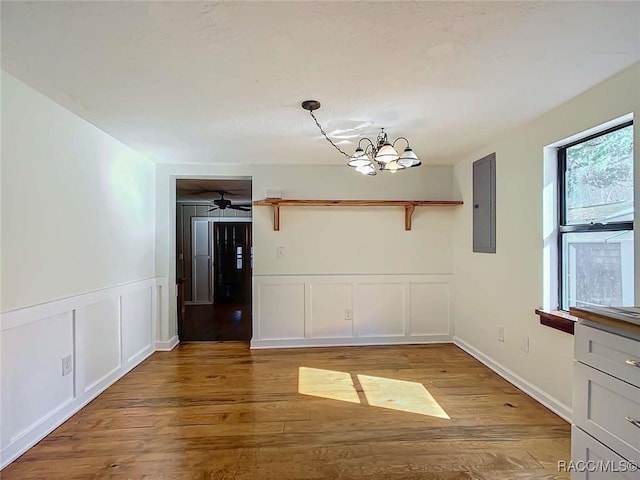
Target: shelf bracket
408,213
276,217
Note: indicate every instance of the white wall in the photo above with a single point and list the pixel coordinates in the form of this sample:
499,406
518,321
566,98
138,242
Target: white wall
326,241
502,290
77,205
78,216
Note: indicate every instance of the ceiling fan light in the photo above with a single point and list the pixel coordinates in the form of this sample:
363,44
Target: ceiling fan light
409,159
386,153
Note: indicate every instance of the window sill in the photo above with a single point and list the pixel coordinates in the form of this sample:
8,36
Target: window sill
557,319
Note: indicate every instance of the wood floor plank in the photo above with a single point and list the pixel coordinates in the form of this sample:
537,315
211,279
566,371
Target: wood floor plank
221,411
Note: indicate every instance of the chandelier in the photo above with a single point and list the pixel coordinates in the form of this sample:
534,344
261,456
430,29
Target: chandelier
380,155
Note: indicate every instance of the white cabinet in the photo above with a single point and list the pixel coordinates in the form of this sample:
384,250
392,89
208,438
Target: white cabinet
616,355
603,408
594,461
606,405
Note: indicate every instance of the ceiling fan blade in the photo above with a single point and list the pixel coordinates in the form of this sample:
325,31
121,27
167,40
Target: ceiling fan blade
212,209
225,192
242,209
208,193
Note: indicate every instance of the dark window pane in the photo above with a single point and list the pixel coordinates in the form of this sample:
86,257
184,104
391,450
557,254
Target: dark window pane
599,179
597,269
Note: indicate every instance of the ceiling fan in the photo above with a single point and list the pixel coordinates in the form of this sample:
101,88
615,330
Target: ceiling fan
222,203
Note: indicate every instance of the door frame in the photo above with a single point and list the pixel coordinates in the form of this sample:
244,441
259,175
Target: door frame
167,175
210,265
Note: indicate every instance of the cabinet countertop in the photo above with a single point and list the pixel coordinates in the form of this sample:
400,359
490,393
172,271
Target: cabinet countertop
624,318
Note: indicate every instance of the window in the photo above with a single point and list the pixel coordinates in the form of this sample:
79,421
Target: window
239,258
595,229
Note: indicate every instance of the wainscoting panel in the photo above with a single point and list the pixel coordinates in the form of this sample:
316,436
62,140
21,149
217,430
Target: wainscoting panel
429,309
136,323
97,342
380,310
106,333
324,310
32,381
329,305
281,311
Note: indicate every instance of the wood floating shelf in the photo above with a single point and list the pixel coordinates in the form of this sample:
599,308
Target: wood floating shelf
408,205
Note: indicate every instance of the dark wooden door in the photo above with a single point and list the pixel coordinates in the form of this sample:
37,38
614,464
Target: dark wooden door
232,264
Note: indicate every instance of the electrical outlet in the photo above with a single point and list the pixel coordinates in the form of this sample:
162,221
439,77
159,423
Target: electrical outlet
524,344
280,252
501,334
67,365
348,314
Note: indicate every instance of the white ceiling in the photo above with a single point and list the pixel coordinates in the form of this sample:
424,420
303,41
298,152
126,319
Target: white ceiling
222,82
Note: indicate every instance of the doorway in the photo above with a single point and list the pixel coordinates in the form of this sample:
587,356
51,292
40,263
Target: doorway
214,259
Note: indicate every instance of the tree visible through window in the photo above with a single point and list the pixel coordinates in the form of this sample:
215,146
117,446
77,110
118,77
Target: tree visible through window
596,219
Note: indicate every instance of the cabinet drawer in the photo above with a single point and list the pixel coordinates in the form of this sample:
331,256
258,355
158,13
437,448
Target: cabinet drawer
604,406
593,461
616,355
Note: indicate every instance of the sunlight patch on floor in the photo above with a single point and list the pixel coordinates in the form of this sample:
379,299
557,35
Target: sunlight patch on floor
402,395
327,384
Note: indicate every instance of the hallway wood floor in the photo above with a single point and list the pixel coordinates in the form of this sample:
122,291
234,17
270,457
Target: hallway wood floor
220,411
221,322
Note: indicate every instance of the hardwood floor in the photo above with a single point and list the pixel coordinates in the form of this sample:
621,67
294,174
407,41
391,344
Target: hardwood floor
216,322
220,411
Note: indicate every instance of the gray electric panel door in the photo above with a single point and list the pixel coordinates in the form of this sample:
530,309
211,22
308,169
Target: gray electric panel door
484,204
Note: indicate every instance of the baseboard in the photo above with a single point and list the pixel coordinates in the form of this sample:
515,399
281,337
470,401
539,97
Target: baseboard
349,342
167,346
139,357
48,424
534,392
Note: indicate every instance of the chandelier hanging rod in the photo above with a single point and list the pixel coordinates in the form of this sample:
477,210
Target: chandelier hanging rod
312,105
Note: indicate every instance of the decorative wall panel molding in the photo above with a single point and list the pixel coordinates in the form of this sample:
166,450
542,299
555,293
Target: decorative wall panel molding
106,333
323,310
